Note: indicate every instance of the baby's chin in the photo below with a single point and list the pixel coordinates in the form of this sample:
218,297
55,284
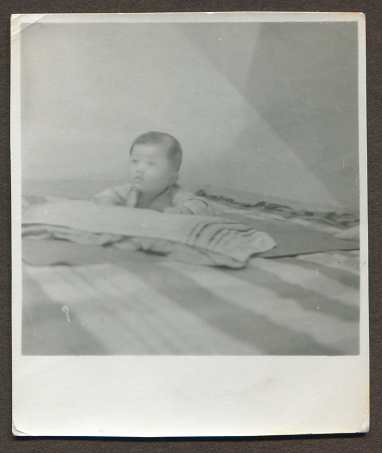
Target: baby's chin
139,185
153,192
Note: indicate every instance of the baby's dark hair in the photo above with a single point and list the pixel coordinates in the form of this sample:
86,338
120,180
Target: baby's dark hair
174,152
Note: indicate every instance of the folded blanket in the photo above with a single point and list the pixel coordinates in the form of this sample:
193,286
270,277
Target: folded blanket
220,241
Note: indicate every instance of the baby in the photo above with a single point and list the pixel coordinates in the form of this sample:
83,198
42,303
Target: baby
155,159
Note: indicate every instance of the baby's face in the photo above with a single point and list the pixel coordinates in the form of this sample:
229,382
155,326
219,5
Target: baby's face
150,170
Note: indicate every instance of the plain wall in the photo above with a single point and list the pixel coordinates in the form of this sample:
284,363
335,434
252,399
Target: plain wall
264,108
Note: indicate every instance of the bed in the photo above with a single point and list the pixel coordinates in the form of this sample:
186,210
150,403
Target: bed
299,298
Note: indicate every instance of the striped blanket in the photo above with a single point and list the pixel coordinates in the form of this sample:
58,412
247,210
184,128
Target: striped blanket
305,305
201,239
299,298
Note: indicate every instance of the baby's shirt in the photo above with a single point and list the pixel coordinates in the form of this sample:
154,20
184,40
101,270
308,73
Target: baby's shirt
173,200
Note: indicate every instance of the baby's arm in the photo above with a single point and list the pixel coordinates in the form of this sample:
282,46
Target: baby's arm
104,201
194,205
113,196
178,210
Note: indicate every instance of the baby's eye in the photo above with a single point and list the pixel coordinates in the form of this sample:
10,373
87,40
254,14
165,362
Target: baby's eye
151,164
134,161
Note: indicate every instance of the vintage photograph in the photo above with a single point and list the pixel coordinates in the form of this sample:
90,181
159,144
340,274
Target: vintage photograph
190,188
189,224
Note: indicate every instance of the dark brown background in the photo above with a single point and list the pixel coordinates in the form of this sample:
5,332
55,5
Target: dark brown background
339,443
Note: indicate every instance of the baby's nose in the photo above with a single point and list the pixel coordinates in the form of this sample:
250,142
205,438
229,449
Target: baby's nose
140,167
